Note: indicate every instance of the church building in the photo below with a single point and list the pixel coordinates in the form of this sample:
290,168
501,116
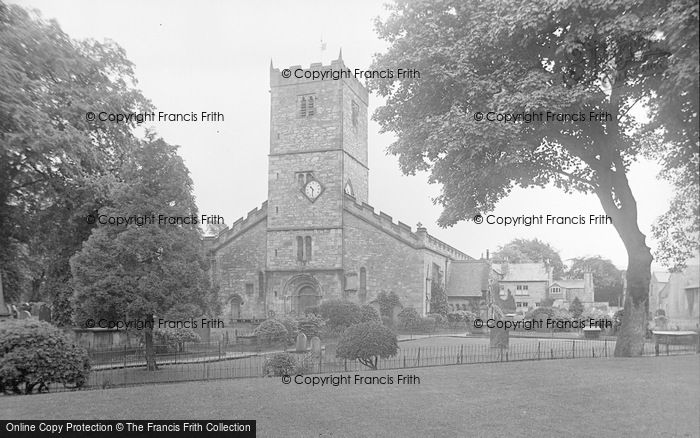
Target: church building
316,237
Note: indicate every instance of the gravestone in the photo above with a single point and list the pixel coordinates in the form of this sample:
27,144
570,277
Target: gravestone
45,313
316,345
23,314
301,342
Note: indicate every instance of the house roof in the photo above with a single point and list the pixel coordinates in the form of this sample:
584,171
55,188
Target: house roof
569,284
525,272
467,278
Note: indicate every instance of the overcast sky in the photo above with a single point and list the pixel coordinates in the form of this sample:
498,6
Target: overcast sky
214,55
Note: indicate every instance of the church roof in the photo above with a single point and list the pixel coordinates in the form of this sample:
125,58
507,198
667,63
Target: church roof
467,278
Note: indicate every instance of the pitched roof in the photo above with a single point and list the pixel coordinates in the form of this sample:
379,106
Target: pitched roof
526,272
467,278
569,284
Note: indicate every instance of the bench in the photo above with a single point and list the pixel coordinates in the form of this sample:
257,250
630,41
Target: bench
675,338
591,332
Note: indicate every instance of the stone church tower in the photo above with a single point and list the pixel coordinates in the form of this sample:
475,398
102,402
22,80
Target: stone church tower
316,237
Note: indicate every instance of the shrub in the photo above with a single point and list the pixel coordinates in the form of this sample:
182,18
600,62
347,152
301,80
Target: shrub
313,310
369,314
367,342
576,308
387,302
440,320
408,318
340,315
280,364
292,327
438,300
311,325
37,354
175,338
426,323
271,330
387,321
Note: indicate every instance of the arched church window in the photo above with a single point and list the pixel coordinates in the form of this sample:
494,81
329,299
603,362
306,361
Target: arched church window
308,248
300,249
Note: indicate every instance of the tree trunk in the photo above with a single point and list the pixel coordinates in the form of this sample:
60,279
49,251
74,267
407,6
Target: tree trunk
150,353
618,202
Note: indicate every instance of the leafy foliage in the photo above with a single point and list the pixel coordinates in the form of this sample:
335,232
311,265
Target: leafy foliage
175,338
311,325
534,59
37,354
576,308
55,166
369,314
367,342
387,302
340,315
280,364
270,331
530,251
292,327
408,318
438,299
607,279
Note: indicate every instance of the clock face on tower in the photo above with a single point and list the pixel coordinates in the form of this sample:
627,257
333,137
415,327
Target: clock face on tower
313,190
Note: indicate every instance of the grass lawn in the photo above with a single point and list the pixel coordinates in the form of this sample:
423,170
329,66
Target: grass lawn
651,396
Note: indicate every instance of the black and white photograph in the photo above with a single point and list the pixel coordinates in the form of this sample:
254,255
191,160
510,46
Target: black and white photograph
388,218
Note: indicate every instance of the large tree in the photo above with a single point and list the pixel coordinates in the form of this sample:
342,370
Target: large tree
138,271
530,251
607,279
53,160
562,57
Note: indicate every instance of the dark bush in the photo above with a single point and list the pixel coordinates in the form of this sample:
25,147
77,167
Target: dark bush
409,318
340,315
270,331
292,327
36,354
369,314
367,342
387,302
310,325
280,364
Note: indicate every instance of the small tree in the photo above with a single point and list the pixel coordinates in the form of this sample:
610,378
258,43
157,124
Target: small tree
409,318
280,364
340,315
576,308
438,300
369,314
367,342
387,302
36,354
271,330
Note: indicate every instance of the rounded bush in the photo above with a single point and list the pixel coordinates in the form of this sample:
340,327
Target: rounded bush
369,314
340,315
292,327
367,342
36,354
409,318
311,325
280,364
271,330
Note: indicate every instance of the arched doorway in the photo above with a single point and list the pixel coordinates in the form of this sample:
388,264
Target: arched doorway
302,291
307,297
236,302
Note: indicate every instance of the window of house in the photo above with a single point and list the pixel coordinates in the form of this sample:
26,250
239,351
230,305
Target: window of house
555,290
355,113
521,289
249,288
308,248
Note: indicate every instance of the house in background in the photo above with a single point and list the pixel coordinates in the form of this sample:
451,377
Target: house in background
528,283
678,295
563,292
468,284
